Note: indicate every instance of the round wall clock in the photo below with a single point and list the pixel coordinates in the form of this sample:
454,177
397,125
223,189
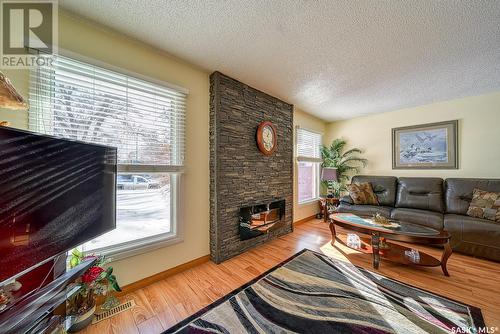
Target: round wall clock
267,137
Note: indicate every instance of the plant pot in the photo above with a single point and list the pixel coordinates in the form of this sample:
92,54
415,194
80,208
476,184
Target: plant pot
83,320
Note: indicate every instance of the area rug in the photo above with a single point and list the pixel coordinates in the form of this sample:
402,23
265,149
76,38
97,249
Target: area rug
312,293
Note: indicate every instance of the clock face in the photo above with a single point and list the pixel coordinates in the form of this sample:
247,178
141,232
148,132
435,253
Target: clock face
266,138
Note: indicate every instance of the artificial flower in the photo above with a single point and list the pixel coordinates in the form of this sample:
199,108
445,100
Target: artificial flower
92,274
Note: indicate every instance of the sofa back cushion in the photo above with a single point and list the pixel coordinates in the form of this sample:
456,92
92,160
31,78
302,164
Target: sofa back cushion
425,193
458,192
384,187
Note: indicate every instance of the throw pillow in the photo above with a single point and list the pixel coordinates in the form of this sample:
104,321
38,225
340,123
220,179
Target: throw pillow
485,205
362,193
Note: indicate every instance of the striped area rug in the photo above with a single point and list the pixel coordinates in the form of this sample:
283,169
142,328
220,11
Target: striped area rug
312,293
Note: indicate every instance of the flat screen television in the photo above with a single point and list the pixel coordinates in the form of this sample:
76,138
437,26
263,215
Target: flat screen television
55,194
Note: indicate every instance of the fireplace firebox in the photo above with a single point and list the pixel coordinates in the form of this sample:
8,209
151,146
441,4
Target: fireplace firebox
260,218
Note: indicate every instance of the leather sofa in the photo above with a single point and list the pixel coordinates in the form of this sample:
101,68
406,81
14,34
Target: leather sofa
436,203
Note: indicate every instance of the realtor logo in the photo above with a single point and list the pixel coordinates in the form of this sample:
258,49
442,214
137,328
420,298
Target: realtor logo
29,32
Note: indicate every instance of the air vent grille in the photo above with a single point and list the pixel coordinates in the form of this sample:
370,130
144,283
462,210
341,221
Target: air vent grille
114,311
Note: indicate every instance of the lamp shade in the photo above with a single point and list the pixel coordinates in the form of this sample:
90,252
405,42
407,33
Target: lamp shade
329,174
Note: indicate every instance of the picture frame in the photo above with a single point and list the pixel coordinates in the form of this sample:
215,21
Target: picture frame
426,146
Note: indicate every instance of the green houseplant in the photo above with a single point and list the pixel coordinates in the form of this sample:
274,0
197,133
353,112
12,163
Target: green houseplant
96,281
347,162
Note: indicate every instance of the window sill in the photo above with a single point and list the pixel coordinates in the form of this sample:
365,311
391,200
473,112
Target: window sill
137,247
309,201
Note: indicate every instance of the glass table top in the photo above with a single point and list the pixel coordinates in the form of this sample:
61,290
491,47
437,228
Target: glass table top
394,226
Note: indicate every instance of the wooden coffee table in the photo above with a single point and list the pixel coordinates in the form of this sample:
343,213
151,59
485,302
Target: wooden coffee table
376,245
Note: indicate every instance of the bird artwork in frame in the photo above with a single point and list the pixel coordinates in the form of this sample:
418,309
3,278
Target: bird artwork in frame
425,146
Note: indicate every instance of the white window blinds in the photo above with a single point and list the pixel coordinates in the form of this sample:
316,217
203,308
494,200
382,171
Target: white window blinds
308,145
80,101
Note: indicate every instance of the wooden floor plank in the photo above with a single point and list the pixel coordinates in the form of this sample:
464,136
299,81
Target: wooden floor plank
142,310
123,323
204,284
150,326
162,304
155,298
167,318
99,328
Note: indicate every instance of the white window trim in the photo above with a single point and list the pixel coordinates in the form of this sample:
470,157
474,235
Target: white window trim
176,235
299,159
309,201
139,246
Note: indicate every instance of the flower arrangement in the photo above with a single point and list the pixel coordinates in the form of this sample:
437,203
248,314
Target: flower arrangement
96,281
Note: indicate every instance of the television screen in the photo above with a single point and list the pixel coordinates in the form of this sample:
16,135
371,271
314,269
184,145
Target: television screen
55,194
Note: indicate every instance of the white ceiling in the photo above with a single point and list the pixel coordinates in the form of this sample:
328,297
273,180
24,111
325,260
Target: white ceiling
334,59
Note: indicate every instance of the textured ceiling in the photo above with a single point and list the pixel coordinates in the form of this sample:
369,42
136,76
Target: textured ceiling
334,59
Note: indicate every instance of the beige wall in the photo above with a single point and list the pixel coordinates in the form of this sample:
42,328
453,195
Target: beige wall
478,136
93,41
309,122
97,42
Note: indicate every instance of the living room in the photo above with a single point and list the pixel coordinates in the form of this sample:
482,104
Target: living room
221,204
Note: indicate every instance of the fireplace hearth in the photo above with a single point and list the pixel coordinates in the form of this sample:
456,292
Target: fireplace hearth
259,219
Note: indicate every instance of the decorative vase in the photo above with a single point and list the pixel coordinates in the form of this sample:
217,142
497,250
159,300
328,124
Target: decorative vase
83,320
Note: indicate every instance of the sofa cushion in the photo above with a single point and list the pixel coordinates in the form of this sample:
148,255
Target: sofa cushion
485,205
364,210
425,193
473,230
362,193
383,186
421,217
458,192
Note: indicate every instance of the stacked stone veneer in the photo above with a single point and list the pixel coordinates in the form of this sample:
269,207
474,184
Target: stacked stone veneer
240,175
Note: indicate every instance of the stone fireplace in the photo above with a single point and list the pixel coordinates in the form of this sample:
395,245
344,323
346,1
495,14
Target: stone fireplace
244,183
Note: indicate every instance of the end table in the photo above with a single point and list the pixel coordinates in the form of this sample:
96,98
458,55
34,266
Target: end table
324,203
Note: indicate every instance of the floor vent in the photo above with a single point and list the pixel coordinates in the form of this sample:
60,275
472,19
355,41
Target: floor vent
114,311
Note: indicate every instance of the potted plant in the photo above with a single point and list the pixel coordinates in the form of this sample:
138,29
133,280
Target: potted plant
96,281
346,163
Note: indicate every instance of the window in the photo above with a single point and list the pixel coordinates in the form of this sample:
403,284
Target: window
144,120
308,161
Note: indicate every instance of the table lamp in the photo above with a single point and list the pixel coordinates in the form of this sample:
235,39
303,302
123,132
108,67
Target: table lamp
329,174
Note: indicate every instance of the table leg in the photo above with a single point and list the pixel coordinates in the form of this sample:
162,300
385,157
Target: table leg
375,250
334,234
325,211
444,258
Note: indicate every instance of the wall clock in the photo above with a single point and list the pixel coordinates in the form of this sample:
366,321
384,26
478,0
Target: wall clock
267,138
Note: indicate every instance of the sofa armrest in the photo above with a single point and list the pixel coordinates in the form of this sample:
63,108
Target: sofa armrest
346,199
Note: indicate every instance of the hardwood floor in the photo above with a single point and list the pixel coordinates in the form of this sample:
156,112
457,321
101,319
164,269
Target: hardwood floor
164,303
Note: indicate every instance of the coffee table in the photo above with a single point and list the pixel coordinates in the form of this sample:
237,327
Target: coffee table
399,231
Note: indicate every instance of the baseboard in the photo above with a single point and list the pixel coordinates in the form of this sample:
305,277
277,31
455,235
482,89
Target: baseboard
162,275
303,220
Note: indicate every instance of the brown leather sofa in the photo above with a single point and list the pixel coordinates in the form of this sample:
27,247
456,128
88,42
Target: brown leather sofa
437,203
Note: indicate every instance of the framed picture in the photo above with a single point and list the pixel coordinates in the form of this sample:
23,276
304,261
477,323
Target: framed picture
425,146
